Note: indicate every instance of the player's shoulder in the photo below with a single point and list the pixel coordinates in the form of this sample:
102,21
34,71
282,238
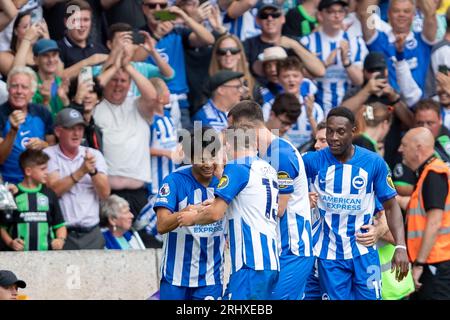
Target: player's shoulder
363,153
286,149
262,166
370,159
316,156
181,173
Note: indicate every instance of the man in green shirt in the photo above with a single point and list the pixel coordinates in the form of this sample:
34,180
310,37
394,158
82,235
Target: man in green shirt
51,90
301,20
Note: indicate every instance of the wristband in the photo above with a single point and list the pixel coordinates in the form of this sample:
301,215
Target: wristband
418,264
347,65
396,100
93,173
400,247
155,37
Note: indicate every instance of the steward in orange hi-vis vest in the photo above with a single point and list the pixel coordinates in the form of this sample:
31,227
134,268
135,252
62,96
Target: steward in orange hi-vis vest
417,219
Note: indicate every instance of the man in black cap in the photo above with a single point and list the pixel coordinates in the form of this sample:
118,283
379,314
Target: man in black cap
9,284
375,83
270,18
224,89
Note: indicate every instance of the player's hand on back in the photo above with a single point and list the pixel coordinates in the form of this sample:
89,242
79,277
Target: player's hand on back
368,238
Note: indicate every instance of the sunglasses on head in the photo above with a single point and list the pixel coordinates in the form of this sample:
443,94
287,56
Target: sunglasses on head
223,51
154,5
266,15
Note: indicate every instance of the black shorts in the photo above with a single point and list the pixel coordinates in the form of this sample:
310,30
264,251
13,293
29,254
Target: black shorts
435,282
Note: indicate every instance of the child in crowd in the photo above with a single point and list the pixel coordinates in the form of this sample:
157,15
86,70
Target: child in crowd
37,223
163,141
290,77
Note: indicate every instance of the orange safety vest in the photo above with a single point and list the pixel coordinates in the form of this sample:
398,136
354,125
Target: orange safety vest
417,219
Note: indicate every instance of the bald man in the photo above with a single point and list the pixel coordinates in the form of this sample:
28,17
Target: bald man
428,216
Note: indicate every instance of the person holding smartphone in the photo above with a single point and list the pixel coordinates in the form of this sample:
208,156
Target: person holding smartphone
171,41
377,88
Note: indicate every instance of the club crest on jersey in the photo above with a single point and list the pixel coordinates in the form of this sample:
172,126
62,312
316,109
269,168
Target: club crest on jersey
284,180
398,170
411,44
42,201
359,182
447,147
223,182
390,182
24,142
164,191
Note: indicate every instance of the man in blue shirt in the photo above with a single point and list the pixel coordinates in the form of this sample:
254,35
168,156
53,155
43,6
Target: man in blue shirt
402,47
171,41
23,125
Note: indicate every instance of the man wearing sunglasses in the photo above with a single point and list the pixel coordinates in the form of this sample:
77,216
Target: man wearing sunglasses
270,18
225,89
163,24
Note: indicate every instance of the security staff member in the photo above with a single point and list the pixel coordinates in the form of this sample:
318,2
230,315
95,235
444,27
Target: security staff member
428,216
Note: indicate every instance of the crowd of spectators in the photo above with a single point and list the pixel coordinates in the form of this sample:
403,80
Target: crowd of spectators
101,89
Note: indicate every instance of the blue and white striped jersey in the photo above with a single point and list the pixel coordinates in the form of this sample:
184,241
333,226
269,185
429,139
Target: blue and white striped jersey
301,131
249,187
163,135
192,256
243,27
209,115
315,217
332,87
307,87
445,114
346,201
294,227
